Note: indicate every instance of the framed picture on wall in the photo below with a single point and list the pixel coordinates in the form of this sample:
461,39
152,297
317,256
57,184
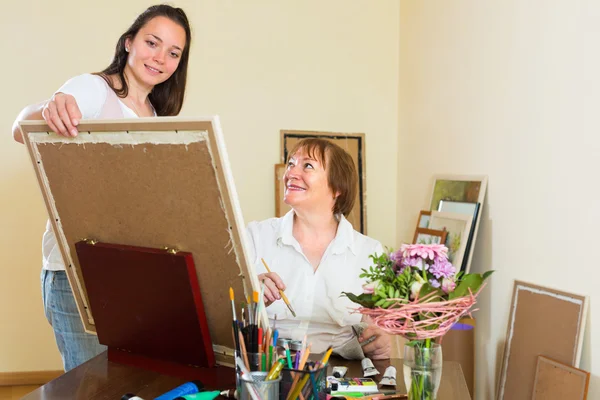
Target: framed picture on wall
467,209
354,144
458,227
429,236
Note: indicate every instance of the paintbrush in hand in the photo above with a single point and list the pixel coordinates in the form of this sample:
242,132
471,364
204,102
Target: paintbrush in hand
283,296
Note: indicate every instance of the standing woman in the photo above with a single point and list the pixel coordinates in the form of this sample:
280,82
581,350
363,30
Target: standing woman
146,78
315,254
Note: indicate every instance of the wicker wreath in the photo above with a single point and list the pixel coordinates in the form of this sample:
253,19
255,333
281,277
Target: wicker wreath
422,318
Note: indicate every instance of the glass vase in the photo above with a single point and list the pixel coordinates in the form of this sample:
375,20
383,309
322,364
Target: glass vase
422,369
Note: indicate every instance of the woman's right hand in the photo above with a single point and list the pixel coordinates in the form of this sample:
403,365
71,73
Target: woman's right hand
62,114
272,283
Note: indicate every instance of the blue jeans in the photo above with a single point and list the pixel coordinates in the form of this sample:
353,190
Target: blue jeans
75,345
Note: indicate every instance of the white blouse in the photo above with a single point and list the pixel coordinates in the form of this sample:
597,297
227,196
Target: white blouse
321,313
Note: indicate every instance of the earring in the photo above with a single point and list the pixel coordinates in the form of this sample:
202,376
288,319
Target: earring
127,49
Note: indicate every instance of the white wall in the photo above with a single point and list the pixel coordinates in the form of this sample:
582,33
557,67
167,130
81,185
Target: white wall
261,65
509,89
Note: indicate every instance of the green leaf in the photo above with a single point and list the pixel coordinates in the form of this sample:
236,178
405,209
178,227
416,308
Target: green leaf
364,299
487,274
470,281
426,289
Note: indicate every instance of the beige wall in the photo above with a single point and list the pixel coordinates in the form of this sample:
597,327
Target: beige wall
261,65
509,89
505,88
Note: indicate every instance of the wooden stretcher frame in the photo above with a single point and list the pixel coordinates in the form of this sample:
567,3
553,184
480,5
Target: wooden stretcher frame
182,139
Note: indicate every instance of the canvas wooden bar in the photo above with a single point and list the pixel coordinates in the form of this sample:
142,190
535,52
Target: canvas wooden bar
148,182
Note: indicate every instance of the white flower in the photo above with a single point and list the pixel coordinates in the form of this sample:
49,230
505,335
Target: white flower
415,288
370,287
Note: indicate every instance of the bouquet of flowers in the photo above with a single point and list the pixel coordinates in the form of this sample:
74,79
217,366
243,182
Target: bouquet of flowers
417,293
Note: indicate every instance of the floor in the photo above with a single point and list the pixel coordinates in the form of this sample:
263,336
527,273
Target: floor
16,392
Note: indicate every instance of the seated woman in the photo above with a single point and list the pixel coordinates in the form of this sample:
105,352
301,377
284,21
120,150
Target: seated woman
314,253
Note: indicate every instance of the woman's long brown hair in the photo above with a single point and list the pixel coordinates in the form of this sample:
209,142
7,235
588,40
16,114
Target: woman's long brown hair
166,97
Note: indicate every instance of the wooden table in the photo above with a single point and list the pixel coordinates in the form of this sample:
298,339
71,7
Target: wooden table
100,379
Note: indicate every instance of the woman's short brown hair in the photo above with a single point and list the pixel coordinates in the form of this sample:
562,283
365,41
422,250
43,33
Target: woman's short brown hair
342,177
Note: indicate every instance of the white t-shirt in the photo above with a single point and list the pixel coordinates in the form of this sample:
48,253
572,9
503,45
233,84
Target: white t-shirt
321,314
90,92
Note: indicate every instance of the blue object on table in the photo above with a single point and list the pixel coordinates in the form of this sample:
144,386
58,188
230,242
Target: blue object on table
461,327
187,388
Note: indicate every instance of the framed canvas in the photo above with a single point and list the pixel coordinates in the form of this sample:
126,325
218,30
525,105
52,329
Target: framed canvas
354,144
467,209
150,182
459,188
458,227
429,236
542,321
557,381
423,221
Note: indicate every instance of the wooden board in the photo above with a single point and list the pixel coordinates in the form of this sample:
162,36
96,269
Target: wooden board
354,144
149,182
558,381
542,321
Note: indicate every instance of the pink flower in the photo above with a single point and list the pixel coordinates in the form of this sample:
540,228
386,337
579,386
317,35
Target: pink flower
414,262
425,251
442,269
448,285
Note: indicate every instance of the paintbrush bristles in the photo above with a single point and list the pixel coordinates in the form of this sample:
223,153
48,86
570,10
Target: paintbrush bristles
232,303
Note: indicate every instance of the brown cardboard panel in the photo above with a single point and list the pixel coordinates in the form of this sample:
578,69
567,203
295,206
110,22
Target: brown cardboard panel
149,195
542,322
354,144
459,345
558,381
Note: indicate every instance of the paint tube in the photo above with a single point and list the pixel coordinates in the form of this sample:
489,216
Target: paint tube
389,377
368,367
339,372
